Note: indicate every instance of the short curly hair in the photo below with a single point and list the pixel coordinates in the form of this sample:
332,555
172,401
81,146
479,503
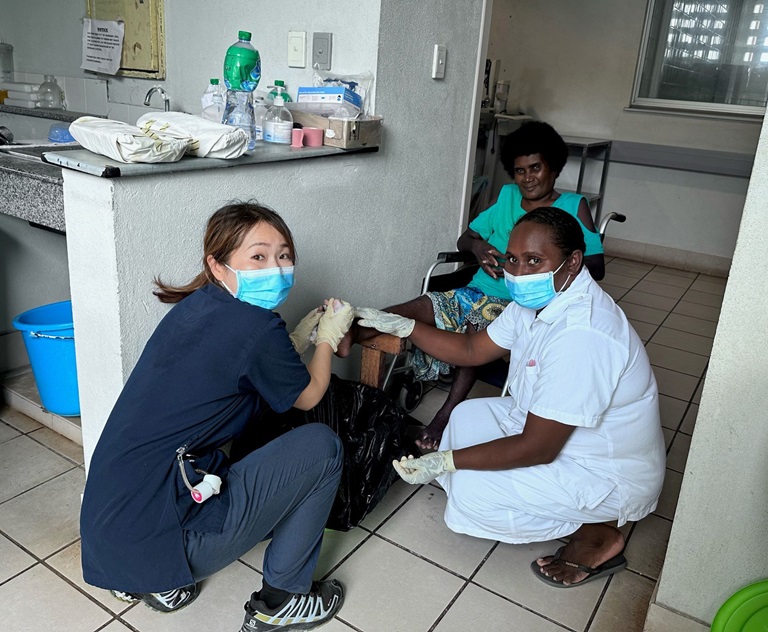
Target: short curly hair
566,231
534,137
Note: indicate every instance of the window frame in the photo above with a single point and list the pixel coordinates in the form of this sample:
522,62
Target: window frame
749,112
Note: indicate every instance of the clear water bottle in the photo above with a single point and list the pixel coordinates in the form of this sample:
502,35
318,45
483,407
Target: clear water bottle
212,102
260,107
278,122
49,94
242,64
238,112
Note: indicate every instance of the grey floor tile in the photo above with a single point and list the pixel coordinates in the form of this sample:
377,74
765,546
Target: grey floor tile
624,605
619,280
46,518
631,263
643,314
649,300
497,615
13,559
697,311
672,411
696,399
644,330
614,291
689,421
675,384
7,432
710,287
648,545
419,527
376,601
396,496
17,420
669,494
676,359
38,599
703,298
674,271
116,626
25,463
658,276
713,279
429,405
692,325
682,340
507,572
660,289
678,454
668,436
58,443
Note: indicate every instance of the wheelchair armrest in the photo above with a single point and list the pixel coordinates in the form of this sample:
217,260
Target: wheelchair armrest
616,217
455,256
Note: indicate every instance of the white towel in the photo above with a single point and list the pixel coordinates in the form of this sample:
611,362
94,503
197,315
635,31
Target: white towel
207,139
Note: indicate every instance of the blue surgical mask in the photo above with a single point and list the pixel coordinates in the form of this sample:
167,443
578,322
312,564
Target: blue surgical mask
534,291
267,288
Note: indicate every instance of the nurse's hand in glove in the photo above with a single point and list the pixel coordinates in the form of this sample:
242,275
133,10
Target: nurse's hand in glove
385,322
426,468
301,336
334,323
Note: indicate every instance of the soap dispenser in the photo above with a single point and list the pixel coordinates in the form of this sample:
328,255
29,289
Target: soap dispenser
278,122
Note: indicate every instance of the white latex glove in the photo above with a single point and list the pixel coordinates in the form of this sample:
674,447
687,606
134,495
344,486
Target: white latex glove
426,468
301,336
385,322
334,323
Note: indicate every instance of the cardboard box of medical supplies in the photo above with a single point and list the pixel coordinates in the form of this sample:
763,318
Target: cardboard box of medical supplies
325,99
345,134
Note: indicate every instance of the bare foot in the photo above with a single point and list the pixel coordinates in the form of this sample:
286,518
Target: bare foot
345,346
591,545
429,438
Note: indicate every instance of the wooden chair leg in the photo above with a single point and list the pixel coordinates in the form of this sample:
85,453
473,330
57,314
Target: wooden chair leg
372,369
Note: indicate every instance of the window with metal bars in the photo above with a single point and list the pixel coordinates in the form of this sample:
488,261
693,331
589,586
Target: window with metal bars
706,57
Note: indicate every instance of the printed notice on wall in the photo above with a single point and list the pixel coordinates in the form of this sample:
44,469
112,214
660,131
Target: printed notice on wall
102,45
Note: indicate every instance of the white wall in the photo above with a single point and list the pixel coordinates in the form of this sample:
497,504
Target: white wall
572,64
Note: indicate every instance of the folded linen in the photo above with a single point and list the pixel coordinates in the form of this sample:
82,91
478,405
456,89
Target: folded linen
207,139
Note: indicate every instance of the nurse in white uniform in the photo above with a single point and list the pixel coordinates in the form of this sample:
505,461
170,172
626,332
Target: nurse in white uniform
577,443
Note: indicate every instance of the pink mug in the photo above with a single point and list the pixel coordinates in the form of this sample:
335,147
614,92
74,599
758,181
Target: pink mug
313,137
297,136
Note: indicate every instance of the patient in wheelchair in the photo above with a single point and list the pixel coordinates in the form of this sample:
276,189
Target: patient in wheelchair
533,155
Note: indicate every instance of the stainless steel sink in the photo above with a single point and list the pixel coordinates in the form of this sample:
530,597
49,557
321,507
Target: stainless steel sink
35,151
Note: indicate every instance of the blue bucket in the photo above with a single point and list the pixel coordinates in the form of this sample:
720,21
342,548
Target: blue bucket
49,336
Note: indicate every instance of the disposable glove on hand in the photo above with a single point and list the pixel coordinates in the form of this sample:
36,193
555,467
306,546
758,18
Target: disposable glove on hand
301,335
426,468
385,322
334,323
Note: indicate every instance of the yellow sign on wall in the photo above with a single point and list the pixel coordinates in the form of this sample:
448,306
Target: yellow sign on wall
144,43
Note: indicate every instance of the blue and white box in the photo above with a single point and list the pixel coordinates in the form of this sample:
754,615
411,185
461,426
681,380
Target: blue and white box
328,98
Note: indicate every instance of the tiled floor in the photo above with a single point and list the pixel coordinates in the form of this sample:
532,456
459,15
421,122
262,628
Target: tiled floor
403,569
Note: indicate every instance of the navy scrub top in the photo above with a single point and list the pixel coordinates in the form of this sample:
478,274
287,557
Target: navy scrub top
212,364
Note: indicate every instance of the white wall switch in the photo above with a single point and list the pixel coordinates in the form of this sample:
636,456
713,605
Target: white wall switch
297,49
321,50
438,62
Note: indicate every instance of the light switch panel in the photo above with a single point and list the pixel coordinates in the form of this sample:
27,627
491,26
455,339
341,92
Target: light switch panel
438,62
297,49
321,50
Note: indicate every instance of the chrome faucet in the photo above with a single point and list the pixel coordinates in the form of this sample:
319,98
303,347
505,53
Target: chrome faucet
163,93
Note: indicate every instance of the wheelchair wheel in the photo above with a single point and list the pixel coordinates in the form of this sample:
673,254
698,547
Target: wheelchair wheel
410,394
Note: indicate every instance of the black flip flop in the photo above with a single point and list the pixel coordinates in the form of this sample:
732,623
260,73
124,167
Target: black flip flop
615,564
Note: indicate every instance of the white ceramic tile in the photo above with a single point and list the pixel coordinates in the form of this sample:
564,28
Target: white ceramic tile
676,359
116,626
136,111
24,464
682,340
17,420
689,421
67,562
669,494
38,599
476,605
419,527
57,443
218,607
624,605
619,280
644,330
697,326
709,287
668,279
74,93
678,454
119,112
676,272
7,432
649,300
671,410
647,546
703,298
395,497
660,619
697,311
643,314
45,518
377,601
507,572
613,291
96,96
660,289
13,559
675,384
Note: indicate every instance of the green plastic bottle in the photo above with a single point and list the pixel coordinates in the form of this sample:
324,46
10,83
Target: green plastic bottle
242,65
285,95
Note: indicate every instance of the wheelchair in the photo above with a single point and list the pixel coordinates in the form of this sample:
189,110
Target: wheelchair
399,380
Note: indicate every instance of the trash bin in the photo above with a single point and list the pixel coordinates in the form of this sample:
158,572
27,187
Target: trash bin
49,337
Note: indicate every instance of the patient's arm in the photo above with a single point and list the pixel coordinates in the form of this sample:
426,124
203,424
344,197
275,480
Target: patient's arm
595,263
471,241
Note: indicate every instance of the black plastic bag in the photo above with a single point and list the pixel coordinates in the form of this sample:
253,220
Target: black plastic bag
372,429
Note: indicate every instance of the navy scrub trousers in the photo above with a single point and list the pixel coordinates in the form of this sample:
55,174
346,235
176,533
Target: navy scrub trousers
283,490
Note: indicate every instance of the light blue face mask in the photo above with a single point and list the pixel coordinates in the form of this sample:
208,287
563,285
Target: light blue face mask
267,288
534,291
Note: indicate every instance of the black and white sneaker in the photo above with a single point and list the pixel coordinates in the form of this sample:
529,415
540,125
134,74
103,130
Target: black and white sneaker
168,601
297,612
